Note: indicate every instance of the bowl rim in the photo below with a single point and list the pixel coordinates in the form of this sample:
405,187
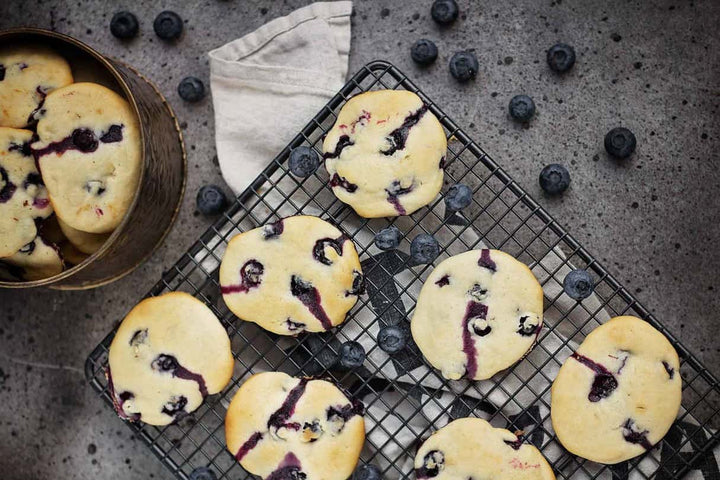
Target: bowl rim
7,34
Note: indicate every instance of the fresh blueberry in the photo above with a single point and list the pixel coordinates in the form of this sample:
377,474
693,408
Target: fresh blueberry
444,12
620,142
391,339
578,284
211,200
388,238
124,25
554,179
424,249
561,57
168,25
424,51
303,161
367,472
352,355
464,66
202,473
522,108
458,197
191,89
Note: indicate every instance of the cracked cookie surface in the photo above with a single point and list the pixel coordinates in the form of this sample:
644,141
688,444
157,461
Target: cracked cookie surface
478,313
168,354
385,154
281,427
23,197
618,394
298,274
470,448
89,153
27,74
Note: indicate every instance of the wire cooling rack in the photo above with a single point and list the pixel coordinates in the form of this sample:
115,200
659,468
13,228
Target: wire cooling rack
502,216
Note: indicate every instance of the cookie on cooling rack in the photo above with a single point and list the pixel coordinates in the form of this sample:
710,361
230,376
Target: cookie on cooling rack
27,74
472,448
36,260
478,313
89,153
299,274
168,354
385,154
23,198
618,394
280,427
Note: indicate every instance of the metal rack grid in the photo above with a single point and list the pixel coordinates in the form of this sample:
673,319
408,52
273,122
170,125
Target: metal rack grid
503,216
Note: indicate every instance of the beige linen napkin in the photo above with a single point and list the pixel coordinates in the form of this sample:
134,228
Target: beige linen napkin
269,83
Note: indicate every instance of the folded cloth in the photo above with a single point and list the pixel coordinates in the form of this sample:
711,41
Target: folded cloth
266,85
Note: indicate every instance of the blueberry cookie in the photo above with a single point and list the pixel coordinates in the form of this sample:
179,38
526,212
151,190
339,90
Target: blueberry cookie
298,274
168,354
27,74
89,154
23,197
478,313
280,427
471,448
35,261
618,394
84,242
385,154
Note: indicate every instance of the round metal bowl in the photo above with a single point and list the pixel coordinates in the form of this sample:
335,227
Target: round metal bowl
164,165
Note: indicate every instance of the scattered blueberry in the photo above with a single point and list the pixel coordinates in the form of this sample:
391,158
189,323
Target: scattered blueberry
352,355
554,179
561,57
391,339
424,51
522,108
620,142
124,25
578,284
367,472
388,238
458,197
303,161
211,200
202,473
464,66
444,12
191,89
424,249
168,25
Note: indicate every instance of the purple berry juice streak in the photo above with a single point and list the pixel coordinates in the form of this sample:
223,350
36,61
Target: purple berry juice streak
399,136
473,310
119,400
81,139
485,261
670,370
280,416
343,142
338,181
633,436
444,280
250,274
604,383
310,297
249,444
334,243
289,469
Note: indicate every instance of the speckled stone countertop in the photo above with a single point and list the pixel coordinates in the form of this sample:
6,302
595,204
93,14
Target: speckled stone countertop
654,221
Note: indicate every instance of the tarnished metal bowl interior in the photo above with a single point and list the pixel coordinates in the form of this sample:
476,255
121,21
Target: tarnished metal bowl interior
164,165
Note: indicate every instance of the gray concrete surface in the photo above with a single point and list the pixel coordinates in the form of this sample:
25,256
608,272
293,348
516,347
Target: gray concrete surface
653,66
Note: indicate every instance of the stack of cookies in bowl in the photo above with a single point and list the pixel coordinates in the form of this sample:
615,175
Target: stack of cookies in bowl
70,162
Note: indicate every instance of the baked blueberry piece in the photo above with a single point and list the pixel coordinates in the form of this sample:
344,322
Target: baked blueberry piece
478,313
385,154
298,274
36,260
168,354
618,394
280,427
23,197
471,448
27,74
89,154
